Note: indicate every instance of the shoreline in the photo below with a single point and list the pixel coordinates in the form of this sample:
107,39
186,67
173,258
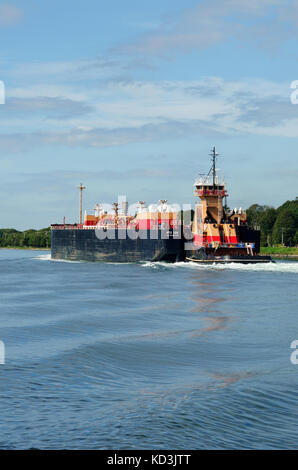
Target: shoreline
281,256
278,256
24,248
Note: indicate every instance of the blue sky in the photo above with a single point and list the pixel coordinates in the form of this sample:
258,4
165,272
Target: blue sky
129,97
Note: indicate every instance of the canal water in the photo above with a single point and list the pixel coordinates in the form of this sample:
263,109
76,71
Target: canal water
147,356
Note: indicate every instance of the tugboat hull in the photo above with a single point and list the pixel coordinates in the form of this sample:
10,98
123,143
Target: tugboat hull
226,256
248,260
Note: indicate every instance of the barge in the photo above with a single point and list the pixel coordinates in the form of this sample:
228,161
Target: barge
158,233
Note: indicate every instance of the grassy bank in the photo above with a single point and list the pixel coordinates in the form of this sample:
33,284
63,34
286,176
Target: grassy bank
280,252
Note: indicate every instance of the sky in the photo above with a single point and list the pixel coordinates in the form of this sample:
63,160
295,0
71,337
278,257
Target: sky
129,98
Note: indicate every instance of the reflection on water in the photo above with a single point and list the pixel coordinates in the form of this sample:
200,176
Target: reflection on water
208,299
216,323
226,380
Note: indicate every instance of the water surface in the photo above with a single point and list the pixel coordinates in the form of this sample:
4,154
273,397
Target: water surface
153,355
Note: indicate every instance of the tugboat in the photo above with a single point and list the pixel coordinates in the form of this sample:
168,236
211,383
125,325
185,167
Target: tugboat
220,235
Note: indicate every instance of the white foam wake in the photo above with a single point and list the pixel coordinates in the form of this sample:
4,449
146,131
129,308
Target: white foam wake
277,267
47,257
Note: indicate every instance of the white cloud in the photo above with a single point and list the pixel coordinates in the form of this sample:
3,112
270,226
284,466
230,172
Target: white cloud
99,68
214,21
9,14
121,113
51,107
101,137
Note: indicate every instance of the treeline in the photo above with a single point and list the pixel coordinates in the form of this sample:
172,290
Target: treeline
10,237
278,226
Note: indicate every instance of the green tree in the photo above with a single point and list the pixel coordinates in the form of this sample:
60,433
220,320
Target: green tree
262,217
28,238
296,238
254,214
285,227
267,220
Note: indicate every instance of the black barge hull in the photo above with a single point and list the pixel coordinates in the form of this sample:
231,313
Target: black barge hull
84,245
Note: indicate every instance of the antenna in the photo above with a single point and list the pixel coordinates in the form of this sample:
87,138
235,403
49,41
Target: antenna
214,155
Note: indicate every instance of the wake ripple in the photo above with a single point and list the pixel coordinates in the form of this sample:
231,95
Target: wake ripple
276,267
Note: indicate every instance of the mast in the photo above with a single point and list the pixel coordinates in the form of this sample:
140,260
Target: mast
214,155
81,188
116,205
